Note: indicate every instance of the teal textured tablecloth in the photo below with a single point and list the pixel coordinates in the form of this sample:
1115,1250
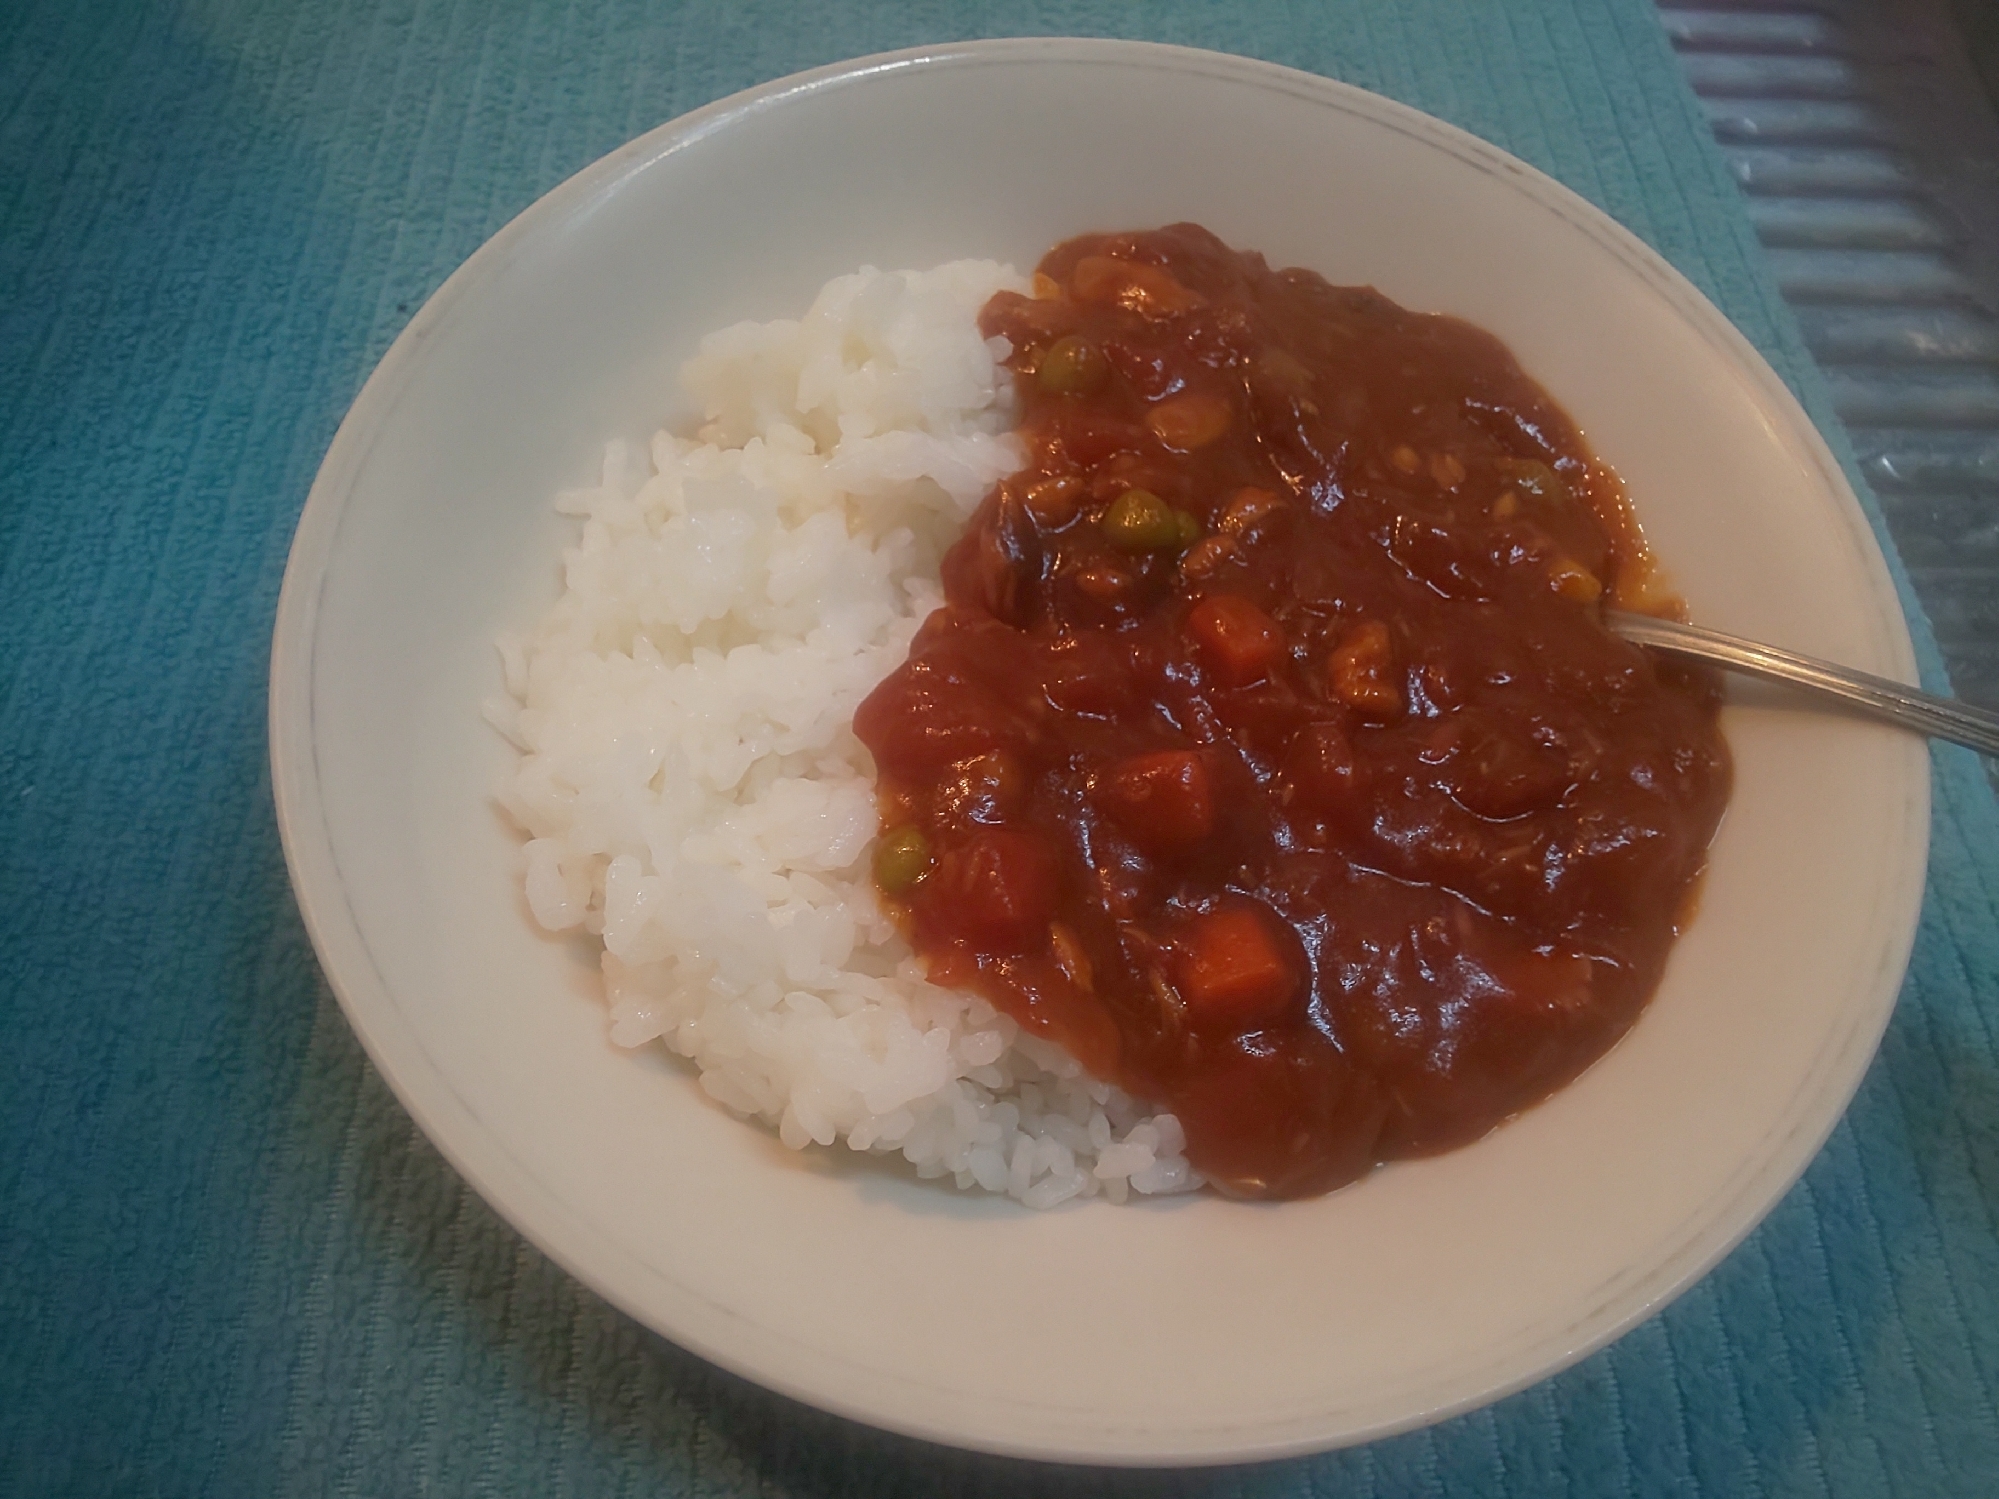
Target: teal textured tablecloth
228,1262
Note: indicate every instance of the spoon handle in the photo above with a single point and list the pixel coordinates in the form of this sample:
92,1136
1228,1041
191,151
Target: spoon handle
1940,717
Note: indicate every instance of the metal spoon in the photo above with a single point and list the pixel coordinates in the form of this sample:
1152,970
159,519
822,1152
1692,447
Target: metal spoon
1940,717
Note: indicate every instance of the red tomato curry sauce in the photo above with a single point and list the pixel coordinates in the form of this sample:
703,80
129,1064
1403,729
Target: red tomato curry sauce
1268,752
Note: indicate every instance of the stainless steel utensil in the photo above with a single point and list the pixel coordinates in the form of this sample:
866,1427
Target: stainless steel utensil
1941,717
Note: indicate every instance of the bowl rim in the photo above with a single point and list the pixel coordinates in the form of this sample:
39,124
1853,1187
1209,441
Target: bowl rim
451,1125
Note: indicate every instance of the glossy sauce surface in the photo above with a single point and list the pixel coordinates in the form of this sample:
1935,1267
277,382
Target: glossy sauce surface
1268,752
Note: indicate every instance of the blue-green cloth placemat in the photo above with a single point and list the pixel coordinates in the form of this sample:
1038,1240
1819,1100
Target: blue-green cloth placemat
228,1263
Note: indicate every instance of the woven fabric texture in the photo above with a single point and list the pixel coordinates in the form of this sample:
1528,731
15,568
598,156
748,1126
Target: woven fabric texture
228,1262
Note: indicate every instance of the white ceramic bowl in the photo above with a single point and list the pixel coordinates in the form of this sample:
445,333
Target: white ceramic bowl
1189,1331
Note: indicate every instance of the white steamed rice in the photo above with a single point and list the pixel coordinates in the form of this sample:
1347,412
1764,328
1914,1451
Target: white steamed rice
689,779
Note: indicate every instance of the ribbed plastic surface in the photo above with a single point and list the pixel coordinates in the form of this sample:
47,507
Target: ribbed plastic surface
1869,155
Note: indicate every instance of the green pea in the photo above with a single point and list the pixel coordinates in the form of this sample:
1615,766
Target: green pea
1190,527
1139,521
1071,366
901,860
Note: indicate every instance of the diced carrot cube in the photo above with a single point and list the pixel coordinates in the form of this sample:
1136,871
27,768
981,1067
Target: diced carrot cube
1231,966
1238,641
1162,799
